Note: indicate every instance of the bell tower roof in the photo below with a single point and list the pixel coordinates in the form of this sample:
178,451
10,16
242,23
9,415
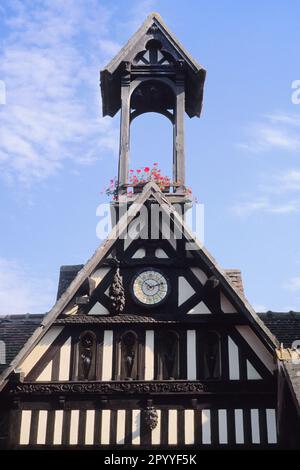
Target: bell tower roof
153,30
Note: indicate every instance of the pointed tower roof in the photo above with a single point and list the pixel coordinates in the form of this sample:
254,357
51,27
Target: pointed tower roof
153,28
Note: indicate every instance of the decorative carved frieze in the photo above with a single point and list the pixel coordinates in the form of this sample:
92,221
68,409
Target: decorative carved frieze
132,387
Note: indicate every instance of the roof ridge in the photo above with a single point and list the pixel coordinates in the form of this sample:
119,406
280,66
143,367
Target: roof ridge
271,313
19,316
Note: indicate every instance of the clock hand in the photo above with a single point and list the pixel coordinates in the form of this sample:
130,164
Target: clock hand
150,286
158,284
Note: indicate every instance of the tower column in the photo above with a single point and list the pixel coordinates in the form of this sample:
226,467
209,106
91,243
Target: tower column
179,157
124,133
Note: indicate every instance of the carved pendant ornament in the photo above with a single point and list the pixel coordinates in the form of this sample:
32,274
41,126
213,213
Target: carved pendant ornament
116,293
151,417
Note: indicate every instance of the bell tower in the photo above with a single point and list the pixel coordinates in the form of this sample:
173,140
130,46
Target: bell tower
153,73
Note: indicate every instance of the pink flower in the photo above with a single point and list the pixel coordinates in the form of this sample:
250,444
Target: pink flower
146,169
155,164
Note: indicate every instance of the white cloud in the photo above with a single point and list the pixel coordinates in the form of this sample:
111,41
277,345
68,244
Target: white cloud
265,205
290,119
276,195
50,64
293,284
286,182
2,92
275,131
245,208
284,208
21,291
260,308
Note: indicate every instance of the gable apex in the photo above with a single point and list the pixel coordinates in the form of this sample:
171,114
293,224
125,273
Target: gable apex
112,73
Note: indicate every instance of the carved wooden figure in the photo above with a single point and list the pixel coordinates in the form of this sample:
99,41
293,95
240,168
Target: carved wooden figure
87,346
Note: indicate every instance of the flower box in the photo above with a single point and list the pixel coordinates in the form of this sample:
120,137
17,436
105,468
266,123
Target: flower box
138,188
166,189
137,179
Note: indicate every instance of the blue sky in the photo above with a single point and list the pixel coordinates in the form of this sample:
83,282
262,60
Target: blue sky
57,152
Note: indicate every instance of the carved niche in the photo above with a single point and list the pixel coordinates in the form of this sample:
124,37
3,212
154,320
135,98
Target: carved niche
210,356
87,356
168,355
129,356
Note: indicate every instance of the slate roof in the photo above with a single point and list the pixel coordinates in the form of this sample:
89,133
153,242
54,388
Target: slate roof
285,326
292,374
15,331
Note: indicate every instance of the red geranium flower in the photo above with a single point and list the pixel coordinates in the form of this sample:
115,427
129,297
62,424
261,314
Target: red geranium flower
146,169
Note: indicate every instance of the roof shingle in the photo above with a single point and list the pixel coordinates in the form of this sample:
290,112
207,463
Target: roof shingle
15,331
285,326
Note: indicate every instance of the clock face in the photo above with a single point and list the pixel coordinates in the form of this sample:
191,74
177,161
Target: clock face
150,287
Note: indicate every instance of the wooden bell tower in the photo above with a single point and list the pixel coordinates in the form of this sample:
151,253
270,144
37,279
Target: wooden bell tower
153,73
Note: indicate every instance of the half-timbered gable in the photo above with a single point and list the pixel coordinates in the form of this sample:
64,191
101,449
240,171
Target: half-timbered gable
194,362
